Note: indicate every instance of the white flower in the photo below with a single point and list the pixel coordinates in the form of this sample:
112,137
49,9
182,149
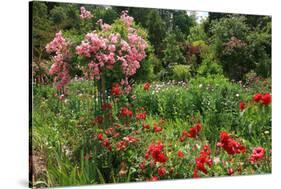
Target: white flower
237,95
200,85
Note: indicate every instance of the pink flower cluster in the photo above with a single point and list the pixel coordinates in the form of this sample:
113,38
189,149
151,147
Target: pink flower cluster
104,26
84,14
126,19
60,47
105,50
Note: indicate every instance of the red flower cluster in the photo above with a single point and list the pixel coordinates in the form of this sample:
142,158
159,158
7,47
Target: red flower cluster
192,132
104,141
146,86
257,154
157,128
115,90
141,115
125,112
264,99
106,144
257,97
161,171
156,152
230,145
203,159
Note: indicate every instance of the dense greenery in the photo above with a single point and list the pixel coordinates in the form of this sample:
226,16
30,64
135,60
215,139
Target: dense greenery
196,82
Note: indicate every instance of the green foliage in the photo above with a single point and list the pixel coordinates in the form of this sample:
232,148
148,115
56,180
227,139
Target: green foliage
42,29
172,52
183,21
181,72
149,67
197,33
240,49
156,28
58,15
209,65
259,50
108,15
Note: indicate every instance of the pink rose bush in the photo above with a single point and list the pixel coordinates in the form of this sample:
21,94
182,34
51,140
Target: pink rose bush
59,46
106,50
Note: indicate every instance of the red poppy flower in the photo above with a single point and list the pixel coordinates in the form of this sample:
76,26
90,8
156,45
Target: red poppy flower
115,90
156,152
141,116
161,171
266,99
125,112
206,150
194,131
242,106
257,97
146,86
162,158
230,145
203,159
100,136
180,154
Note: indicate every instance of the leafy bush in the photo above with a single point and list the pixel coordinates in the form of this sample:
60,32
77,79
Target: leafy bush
181,72
209,66
240,49
172,52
